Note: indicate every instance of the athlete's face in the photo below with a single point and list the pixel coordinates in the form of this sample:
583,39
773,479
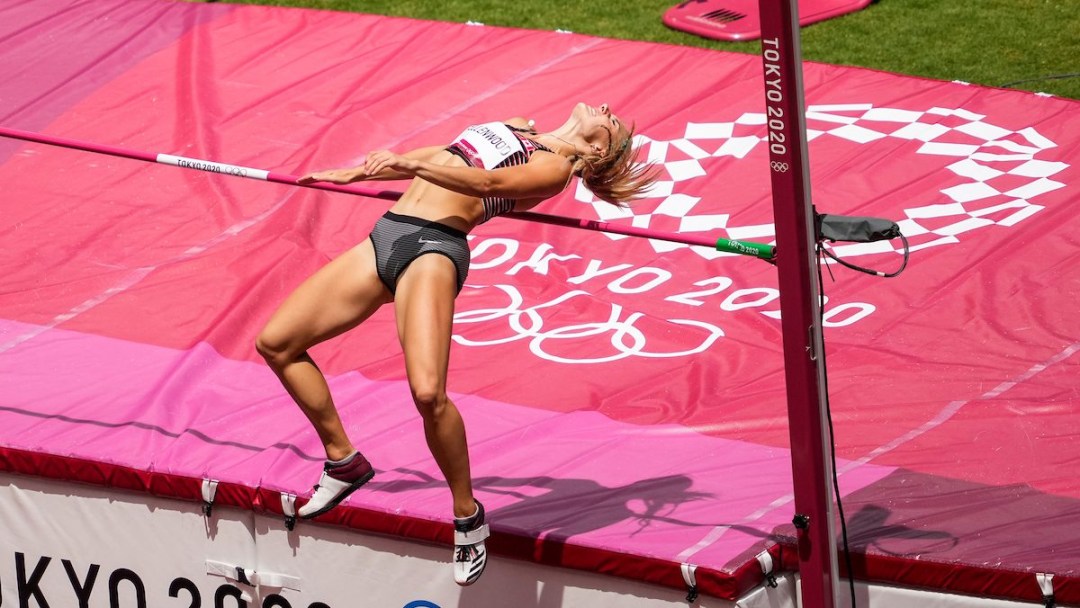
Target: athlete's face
599,126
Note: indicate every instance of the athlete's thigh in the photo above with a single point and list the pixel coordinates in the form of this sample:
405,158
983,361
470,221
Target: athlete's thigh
338,297
424,304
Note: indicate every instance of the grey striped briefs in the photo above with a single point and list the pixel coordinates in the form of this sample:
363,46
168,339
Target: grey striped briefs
400,239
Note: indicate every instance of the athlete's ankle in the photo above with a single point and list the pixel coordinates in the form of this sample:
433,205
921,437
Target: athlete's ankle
336,453
352,467
466,510
343,460
471,521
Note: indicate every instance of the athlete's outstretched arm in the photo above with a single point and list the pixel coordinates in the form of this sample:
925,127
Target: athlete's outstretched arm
545,175
358,173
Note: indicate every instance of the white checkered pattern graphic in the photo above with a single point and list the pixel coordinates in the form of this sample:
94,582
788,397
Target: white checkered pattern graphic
996,170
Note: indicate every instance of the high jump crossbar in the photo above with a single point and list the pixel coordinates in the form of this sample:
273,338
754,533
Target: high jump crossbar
758,250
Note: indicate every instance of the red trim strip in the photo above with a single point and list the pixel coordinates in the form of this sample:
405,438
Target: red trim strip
550,552
924,574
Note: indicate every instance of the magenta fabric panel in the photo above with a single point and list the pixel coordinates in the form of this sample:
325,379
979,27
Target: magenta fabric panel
579,477
97,41
962,370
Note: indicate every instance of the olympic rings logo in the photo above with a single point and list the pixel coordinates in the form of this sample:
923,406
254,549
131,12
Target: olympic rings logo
778,166
625,338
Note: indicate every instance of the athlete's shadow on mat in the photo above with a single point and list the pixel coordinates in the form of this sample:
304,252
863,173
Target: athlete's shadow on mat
870,532
564,508
868,529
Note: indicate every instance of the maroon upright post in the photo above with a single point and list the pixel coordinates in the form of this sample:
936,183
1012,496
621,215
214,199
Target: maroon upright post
799,305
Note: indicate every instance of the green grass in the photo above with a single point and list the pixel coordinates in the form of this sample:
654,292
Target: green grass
991,42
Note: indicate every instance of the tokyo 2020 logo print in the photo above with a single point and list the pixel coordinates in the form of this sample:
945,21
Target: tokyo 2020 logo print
995,177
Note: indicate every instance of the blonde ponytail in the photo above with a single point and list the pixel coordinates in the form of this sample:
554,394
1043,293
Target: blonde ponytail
616,177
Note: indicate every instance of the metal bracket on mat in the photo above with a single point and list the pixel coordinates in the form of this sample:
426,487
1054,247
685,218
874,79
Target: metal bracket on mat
765,559
288,507
209,491
1046,585
691,582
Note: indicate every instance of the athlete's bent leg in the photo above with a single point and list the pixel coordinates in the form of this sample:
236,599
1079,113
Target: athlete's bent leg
335,299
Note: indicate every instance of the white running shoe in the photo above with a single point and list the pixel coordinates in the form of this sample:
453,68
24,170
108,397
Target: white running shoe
335,485
470,555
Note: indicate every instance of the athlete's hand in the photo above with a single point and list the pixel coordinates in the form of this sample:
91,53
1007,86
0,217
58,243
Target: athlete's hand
381,160
334,176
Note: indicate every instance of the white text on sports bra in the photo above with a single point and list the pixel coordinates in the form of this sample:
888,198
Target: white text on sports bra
492,137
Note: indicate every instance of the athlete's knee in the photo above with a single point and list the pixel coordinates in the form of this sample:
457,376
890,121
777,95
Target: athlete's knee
276,349
429,397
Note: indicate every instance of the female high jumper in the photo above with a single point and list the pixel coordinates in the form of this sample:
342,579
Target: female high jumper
489,170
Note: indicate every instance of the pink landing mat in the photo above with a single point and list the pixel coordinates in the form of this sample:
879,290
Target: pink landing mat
624,397
577,477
